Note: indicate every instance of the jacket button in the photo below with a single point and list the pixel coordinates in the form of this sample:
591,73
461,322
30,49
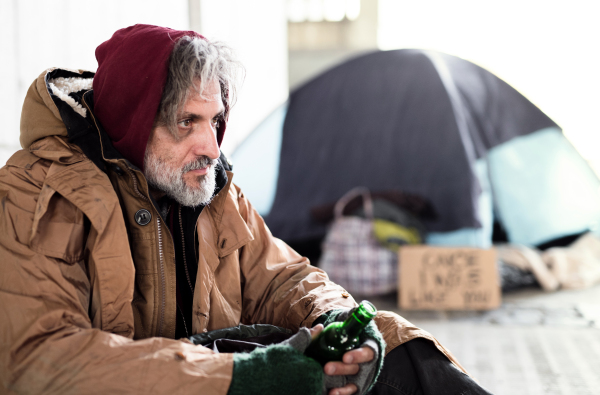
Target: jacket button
143,217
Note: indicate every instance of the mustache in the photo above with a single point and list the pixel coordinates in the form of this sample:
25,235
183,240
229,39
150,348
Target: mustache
200,163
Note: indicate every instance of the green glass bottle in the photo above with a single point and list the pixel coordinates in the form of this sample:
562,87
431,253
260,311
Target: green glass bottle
340,337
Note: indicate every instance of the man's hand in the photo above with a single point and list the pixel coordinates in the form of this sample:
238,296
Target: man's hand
349,366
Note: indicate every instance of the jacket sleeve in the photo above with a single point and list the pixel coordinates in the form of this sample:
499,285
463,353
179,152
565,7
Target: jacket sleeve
280,287
48,342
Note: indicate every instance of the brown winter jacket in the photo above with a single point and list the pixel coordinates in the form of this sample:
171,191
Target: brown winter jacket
87,295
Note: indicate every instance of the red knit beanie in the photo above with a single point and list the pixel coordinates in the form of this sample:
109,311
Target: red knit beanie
132,72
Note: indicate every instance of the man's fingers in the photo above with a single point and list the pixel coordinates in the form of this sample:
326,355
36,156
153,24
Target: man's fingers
314,331
341,368
359,355
350,362
345,390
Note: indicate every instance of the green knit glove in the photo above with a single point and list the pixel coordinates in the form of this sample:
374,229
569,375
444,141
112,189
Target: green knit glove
277,369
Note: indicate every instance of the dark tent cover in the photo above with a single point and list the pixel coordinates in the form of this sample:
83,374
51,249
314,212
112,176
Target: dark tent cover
412,121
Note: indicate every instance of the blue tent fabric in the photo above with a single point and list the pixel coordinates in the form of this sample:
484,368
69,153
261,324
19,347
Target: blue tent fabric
256,161
543,189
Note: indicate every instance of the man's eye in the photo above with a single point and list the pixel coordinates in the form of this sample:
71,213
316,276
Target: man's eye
186,123
215,122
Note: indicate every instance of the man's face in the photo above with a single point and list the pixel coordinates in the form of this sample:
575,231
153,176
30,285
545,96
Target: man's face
184,168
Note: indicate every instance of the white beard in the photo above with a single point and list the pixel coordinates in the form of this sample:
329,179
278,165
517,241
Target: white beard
162,177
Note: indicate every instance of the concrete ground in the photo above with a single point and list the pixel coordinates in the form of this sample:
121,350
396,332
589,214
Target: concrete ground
535,343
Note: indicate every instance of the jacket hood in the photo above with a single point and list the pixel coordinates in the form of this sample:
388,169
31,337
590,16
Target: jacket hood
47,100
132,72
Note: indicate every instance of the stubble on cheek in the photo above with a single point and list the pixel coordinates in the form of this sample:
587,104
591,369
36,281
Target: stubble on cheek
162,155
167,159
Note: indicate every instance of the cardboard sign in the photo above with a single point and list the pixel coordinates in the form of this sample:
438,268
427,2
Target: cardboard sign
436,278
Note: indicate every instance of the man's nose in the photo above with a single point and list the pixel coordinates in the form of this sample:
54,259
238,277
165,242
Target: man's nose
205,142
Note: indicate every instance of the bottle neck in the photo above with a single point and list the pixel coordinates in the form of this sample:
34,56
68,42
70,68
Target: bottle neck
354,324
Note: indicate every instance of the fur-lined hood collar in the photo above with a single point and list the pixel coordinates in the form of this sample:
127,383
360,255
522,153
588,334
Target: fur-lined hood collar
52,97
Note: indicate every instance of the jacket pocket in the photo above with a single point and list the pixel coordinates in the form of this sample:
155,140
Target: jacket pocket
58,228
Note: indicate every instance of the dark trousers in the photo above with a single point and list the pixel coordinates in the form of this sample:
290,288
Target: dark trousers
417,367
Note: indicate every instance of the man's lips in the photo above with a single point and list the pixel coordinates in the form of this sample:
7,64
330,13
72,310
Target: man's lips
199,172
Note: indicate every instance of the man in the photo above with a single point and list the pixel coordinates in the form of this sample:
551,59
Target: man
122,238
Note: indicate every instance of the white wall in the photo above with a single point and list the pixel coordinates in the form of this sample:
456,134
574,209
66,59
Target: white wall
548,50
37,34
257,30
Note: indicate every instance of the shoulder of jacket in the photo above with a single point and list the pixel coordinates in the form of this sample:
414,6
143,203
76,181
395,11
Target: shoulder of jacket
23,159
45,158
57,149
52,160
24,167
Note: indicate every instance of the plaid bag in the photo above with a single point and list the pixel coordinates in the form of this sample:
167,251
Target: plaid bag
352,256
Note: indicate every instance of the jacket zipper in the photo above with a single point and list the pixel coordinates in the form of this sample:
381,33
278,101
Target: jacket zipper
161,265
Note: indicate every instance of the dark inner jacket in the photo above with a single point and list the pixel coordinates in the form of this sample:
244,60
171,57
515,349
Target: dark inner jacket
181,220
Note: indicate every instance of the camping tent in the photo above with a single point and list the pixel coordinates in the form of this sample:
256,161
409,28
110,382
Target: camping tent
424,123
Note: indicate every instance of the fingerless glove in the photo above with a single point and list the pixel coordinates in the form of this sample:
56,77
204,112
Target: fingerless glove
277,369
368,371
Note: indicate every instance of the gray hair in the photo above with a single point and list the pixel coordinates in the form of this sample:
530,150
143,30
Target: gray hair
193,59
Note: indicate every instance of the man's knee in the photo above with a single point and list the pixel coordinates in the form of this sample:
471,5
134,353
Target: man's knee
418,367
